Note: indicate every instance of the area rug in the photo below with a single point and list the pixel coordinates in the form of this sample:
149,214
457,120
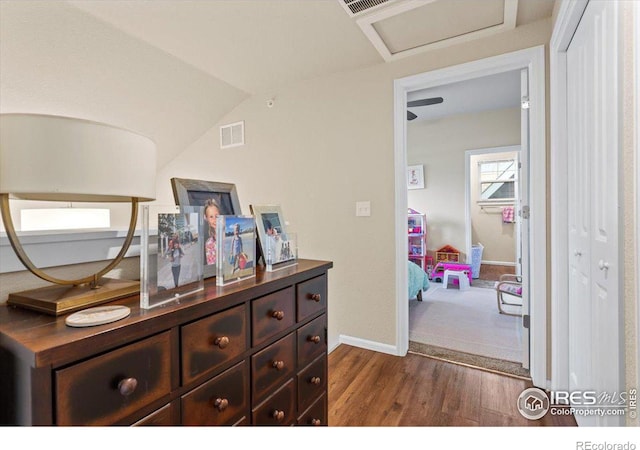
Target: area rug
465,321
475,361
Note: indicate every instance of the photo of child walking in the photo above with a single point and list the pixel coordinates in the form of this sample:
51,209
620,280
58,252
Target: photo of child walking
236,248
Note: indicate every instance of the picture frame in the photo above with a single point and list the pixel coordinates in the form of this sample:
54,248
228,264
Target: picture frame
236,249
277,246
209,195
415,177
170,254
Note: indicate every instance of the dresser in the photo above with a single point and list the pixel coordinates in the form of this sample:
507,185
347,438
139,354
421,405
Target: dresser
248,353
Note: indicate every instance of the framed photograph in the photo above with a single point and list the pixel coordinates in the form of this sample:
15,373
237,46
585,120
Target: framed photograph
217,199
170,254
415,177
236,248
277,246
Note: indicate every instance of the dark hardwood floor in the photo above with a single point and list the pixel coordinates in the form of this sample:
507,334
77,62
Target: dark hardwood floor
368,388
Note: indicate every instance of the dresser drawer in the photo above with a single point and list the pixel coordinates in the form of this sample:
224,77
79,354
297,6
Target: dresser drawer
271,366
162,417
212,341
311,297
223,400
278,409
311,341
271,314
316,415
312,382
109,387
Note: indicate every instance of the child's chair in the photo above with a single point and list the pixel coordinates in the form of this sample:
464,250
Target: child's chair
511,286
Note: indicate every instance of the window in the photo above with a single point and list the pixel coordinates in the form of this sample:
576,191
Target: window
497,180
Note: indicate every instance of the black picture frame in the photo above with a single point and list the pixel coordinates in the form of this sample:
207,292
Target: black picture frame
188,192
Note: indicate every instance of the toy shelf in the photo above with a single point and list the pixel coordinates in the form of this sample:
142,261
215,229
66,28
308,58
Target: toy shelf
417,239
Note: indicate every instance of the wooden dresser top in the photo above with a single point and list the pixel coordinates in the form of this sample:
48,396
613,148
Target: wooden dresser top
46,340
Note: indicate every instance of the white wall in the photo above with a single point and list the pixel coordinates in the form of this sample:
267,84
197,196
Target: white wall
441,145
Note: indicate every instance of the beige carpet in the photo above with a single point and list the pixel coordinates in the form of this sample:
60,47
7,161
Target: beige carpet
465,321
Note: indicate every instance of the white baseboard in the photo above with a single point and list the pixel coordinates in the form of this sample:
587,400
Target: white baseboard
498,263
368,345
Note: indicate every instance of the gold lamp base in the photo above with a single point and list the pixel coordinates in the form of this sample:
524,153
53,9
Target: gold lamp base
66,296
57,299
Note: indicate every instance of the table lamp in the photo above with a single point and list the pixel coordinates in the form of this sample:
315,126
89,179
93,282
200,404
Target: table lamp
53,158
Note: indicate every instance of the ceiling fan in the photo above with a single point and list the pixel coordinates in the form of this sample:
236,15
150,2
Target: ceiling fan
422,102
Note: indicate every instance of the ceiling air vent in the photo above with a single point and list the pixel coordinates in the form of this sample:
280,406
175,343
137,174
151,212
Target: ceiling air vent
232,135
355,7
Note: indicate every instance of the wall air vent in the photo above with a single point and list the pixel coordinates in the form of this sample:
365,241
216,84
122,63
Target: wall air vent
356,7
232,135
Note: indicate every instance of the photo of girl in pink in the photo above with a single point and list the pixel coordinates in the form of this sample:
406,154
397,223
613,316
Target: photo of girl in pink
211,212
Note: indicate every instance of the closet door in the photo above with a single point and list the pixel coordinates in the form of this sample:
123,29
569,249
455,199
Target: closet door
594,309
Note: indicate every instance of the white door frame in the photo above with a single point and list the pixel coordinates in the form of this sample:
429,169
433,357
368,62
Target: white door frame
533,60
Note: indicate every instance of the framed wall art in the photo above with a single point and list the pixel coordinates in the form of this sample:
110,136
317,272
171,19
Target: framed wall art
278,247
170,254
217,199
415,177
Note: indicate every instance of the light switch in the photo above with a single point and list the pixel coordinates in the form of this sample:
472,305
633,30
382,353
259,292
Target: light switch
363,209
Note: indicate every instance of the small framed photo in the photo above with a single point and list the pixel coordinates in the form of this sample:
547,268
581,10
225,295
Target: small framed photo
276,244
415,177
236,249
217,199
170,254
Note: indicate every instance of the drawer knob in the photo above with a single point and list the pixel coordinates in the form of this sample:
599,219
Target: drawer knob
315,297
315,380
278,315
278,365
222,342
127,386
278,415
316,422
315,339
221,404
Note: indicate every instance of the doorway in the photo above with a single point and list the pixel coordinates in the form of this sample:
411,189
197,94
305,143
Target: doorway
492,194
534,248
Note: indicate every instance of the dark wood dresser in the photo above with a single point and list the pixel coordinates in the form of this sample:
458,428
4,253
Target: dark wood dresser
249,353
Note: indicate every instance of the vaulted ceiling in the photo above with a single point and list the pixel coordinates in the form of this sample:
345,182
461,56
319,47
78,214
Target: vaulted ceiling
171,69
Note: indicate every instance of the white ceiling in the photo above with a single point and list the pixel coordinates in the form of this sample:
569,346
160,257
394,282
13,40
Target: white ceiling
481,94
171,69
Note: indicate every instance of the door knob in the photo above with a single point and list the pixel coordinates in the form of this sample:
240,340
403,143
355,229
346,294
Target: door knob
603,265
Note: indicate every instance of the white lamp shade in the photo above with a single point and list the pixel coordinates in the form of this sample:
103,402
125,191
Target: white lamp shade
56,158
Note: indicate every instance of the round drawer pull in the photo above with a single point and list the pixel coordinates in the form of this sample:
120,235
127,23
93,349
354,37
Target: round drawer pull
221,404
316,422
278,415
278,315
222,342
315,380
278,365
315,339
315,297
127,386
